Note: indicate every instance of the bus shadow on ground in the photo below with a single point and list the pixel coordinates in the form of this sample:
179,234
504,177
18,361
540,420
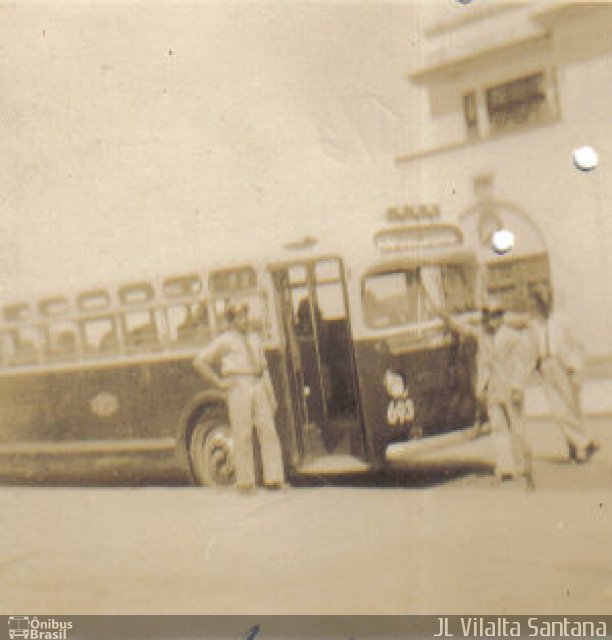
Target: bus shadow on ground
155,474
418,476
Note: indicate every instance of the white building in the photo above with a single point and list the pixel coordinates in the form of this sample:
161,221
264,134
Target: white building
507,92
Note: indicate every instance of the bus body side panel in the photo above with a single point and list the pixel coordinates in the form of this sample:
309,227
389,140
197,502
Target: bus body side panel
92,421
139,404
137,401
102,403
23,399
123,419
110,403
173,383
439,395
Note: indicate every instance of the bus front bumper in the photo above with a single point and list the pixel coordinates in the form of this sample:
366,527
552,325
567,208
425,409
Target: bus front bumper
404,451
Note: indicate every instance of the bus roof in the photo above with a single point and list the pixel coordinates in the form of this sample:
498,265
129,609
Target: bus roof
395,245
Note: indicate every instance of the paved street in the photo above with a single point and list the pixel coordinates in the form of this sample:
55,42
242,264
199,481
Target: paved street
441,537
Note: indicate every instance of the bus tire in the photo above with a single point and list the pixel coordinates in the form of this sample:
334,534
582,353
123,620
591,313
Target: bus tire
211,456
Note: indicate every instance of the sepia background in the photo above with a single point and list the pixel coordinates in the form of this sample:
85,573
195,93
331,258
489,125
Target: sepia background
140,137
146,138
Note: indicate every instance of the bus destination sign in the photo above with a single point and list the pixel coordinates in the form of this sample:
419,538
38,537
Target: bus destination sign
413,238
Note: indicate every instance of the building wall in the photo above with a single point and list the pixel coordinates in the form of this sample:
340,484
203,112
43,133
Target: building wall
532,167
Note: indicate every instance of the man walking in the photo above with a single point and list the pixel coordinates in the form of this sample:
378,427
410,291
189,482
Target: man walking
250,397
499,387
558,357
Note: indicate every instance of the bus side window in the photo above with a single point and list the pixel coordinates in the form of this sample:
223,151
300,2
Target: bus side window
62,341
459,287
188,323
140,330
22,346
370,306
100,336
330,299
393,299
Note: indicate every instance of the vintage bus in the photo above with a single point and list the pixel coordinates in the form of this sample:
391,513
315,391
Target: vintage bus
363,368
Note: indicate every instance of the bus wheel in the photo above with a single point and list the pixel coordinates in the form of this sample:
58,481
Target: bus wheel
211,452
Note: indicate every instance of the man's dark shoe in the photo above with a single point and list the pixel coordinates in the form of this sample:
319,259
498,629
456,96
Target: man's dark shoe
246,489
592,448
277,486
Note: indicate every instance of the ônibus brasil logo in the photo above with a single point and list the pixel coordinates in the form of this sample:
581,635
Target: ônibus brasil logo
33,628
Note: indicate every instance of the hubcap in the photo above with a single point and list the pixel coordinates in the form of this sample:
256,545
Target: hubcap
218,449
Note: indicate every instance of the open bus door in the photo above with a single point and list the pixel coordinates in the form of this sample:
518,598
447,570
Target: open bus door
320,363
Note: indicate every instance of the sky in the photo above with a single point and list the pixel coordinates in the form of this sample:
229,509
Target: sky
152,137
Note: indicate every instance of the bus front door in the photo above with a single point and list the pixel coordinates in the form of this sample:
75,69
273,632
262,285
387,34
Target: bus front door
320,360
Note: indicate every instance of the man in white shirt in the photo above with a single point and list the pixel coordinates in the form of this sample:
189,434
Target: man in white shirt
559,357
499,386
250,397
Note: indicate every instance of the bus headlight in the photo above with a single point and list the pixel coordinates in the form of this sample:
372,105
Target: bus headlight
395,384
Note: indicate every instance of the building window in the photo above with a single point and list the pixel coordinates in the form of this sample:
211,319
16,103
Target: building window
470,114
522,101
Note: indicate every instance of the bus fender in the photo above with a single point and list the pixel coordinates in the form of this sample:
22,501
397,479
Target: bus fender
201,402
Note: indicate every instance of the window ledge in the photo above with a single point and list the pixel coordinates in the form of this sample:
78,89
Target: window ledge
474,140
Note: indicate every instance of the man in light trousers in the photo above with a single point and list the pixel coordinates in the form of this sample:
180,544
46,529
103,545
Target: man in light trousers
558,357
499,387
250,397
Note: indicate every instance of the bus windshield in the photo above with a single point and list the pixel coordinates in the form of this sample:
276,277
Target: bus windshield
410,296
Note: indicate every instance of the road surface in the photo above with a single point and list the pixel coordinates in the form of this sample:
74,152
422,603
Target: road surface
441,536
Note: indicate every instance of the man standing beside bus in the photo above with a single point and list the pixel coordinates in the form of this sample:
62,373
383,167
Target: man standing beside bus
250,397
499,386
558,357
